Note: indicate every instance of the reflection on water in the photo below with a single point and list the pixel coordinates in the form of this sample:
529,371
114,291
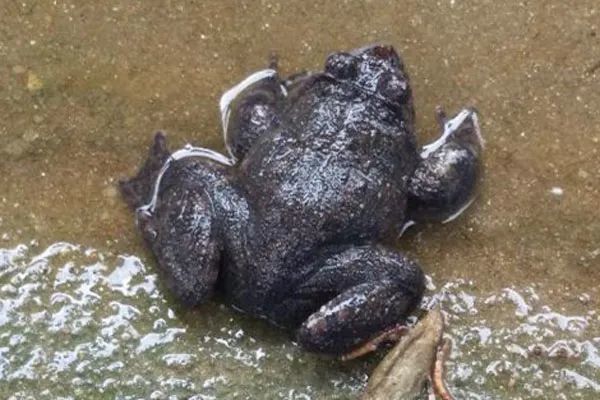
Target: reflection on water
76,323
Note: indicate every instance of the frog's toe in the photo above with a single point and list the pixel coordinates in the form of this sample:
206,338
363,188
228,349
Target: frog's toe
391,335
463,129
250,109
137,190
444,183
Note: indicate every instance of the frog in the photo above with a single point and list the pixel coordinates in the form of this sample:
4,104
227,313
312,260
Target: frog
296,223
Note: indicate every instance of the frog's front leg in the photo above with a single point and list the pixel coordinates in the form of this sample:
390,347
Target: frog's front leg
250,109
185,207
352,297
444,182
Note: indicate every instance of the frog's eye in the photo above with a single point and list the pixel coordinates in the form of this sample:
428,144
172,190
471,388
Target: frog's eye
391,86
386,53
341,65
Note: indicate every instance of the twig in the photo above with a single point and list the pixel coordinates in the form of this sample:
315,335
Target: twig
391,335
437,374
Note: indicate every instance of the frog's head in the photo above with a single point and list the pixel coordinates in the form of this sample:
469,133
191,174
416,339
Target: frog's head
375,69
378,71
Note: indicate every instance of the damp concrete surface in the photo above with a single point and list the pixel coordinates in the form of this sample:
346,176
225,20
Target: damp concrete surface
84,84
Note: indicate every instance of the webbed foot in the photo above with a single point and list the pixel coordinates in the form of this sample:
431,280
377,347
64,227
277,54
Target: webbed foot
444,183
250,109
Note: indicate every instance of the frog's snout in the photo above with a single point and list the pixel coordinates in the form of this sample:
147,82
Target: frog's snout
381,51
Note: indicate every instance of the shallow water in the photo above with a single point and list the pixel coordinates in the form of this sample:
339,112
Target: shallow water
83,86
78,323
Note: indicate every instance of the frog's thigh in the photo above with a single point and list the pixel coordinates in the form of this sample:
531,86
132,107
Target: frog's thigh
249,109
185,242
374,289
444,183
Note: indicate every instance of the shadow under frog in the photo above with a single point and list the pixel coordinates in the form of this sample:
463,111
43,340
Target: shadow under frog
322,167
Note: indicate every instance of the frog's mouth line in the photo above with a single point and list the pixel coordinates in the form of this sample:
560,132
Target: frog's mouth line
187,151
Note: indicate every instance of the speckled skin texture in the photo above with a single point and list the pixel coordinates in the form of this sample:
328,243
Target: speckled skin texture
293,232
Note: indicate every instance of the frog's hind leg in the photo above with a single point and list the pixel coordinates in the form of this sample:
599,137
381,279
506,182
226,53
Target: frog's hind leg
444,183
183,234
179,218
362,292
250,109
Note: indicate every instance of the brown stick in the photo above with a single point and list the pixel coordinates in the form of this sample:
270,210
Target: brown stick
437,374
391,335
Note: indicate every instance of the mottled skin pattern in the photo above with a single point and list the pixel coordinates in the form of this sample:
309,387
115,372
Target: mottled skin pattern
326,168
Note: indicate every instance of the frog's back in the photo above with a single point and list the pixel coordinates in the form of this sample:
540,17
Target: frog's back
337,169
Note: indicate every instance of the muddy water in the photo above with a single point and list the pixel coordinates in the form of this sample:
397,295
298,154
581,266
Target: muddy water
83,86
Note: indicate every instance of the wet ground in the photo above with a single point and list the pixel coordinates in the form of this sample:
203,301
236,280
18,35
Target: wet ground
82,88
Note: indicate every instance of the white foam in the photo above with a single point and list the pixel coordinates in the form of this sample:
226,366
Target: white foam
231,94
187,151
523,308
